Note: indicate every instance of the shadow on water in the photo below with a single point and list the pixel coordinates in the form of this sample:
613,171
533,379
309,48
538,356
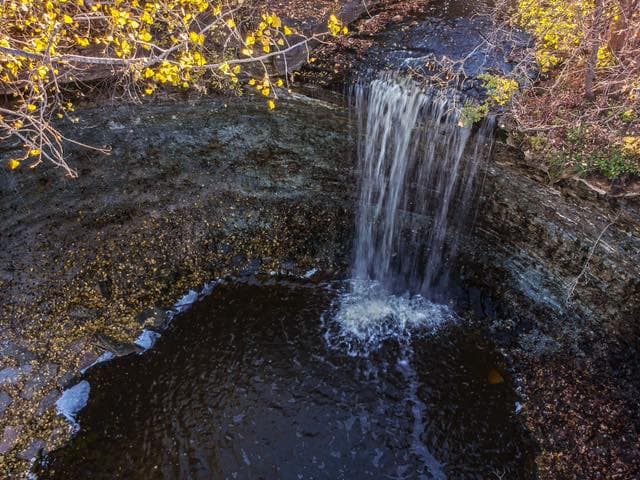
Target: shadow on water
245,386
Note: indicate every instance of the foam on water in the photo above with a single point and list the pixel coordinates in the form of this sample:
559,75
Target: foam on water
73,400
366,316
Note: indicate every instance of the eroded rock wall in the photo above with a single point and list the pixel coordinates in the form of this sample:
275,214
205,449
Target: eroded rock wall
562,266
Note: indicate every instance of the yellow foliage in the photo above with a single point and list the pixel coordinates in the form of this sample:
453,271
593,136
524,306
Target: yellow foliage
559,28
557,25
175,44
631,145
500,90
336,27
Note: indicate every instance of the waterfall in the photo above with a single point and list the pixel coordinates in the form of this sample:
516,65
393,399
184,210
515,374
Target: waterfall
418,177
419,170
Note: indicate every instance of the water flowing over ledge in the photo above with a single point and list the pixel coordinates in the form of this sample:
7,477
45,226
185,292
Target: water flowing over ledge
419,165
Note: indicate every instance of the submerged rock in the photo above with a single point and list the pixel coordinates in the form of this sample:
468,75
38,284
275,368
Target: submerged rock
5,401
9,438
33,449
118,348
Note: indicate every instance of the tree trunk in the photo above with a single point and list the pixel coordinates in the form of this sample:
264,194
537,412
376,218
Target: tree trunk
619,33
592,62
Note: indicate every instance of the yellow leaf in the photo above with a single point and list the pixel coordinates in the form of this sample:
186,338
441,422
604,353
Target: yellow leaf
42,71
274,21
31,107
271,104
67,19
231,23
280,83
147,18
288,31
34,152
13,164
145,36
196,37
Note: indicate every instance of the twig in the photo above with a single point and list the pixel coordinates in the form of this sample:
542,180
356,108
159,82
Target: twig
575,282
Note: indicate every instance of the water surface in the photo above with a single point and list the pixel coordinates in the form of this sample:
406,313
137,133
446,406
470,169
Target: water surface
245,385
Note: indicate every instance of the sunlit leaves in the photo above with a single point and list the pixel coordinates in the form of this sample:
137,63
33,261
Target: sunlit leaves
148,45
336,27
560,26
500,90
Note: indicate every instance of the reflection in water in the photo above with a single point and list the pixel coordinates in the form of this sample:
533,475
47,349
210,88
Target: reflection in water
242,386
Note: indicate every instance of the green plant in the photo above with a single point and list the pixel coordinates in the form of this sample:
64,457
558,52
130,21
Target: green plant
615,165
473,113
500,90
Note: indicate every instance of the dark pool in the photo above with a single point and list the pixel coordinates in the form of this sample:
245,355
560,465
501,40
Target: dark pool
245,386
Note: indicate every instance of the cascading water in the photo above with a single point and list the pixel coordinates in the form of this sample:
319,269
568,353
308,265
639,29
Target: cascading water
240,387
418,165
418,177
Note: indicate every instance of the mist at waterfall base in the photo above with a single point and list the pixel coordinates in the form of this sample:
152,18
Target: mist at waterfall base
296,379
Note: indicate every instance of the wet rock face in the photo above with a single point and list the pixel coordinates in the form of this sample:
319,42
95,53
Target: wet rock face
570,253
461,41
5,401
563,269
